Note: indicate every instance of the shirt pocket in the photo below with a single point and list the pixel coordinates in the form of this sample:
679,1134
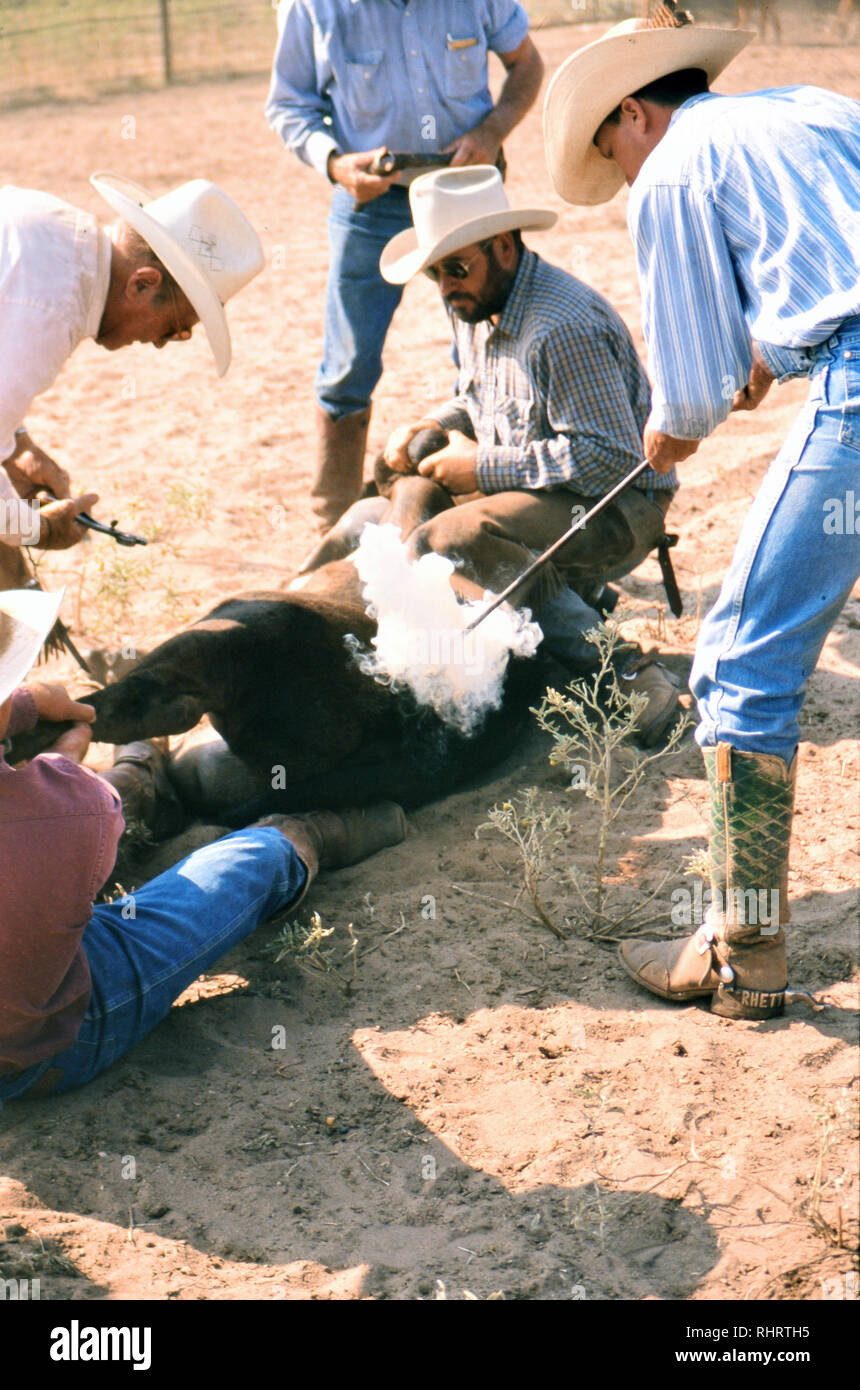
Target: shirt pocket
514,421
364,90
465,65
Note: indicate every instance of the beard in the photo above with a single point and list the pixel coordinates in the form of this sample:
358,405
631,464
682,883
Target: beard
471,308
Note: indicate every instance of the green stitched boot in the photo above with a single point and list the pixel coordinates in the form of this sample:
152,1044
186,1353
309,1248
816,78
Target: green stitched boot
737,956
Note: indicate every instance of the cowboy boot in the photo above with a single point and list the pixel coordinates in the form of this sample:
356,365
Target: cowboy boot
737,956
148,799
339,465
335,840
646,675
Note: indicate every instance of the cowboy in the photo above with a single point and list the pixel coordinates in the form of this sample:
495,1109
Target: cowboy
349,80
166,264
81,984
548,417
744,214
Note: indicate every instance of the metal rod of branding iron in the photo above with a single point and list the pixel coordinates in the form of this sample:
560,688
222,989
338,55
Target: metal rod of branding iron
562,540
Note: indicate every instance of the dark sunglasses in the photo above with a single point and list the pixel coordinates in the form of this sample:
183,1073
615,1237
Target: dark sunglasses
455,267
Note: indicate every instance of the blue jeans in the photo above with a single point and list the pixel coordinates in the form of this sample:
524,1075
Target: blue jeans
795,562
183,922
359,304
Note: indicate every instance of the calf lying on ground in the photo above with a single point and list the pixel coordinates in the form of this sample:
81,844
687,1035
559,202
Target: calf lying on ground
301,726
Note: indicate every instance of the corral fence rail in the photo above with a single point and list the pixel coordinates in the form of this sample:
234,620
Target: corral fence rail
60,50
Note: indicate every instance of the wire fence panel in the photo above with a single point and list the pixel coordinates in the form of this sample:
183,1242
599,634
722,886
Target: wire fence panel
51,50
81,49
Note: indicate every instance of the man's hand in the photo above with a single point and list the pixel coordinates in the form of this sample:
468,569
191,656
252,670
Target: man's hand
478,146
760,382
30,469
59,530
663,451
73,743
353,172
453,466
53,702
522,82
395,454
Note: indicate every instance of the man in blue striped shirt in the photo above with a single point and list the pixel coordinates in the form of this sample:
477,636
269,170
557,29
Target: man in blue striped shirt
745,215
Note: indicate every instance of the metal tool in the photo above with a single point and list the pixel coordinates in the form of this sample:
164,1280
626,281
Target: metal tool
84,519
390,162
562,540
800,996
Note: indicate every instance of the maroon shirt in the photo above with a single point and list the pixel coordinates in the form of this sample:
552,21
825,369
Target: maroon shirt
59,829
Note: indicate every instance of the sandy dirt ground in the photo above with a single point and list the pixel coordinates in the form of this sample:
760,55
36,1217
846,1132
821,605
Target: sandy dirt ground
466,1106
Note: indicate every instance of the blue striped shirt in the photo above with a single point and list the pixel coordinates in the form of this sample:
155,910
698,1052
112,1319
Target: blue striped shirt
554,393
356,74
746,223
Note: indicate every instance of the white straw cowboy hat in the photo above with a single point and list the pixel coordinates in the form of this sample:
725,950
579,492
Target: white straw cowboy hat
201,237
593,81
451,208
26,618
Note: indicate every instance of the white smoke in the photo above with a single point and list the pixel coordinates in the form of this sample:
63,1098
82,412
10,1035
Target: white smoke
421,643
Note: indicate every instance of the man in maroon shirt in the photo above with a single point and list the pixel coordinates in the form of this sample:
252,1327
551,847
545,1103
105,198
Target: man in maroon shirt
81,983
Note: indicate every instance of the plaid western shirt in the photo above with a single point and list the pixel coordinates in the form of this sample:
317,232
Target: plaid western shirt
554,393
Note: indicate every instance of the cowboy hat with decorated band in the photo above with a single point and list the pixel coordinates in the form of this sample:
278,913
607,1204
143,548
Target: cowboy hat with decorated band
452,208
593,81
201,237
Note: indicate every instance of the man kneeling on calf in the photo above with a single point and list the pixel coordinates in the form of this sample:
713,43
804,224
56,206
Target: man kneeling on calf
548,416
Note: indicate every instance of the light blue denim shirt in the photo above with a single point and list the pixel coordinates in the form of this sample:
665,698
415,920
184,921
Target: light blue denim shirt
356,74
746,224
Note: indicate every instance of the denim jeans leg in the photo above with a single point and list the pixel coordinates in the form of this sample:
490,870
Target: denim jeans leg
790,575
182,922
564,621
359,304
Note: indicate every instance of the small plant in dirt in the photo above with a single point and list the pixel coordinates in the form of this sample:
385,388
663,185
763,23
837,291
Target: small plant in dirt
109,583
591,724
183,508
539,830
119,579
837,1124
304,944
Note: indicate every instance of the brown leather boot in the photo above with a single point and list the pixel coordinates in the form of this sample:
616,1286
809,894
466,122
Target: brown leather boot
737,956
148,798
334,840
647,676
339,470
